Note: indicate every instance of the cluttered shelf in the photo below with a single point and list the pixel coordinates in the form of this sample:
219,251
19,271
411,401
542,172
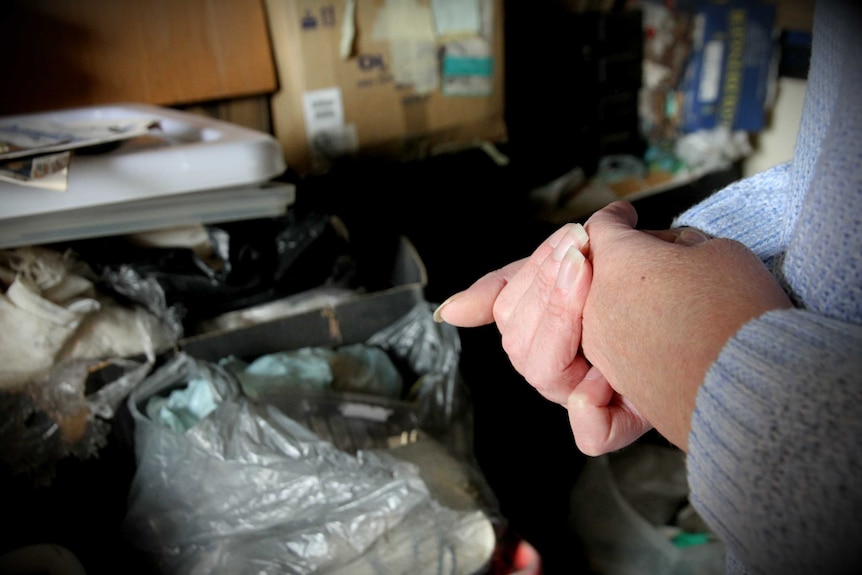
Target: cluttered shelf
655,98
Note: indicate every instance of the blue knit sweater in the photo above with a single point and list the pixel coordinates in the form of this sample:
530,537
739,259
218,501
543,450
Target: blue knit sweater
775,451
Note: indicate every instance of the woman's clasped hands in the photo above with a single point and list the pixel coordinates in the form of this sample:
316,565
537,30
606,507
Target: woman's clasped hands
620,325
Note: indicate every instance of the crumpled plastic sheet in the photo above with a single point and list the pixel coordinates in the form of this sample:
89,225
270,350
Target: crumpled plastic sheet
51,417
67,350
433,350
249,490
252,263
311,299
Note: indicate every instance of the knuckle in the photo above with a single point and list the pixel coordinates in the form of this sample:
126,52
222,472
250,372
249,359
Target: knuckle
500,311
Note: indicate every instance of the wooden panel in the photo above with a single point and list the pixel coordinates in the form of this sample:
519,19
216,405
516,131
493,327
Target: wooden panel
63,53
251,111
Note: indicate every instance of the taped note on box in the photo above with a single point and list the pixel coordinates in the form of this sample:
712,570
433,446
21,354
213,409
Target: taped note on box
323,109
468,60
408,27
468,68
456,18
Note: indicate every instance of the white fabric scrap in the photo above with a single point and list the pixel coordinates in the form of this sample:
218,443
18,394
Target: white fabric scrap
51,311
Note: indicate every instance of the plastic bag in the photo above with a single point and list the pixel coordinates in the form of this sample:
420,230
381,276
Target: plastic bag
630,509
70,353
55,416
248,263
248,489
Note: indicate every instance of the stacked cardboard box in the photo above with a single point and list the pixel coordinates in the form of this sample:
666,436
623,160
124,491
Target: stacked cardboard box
383,78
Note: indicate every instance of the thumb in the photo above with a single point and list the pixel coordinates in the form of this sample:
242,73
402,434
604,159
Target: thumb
616,216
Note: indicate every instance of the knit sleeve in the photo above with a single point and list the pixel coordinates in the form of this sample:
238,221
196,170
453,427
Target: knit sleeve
752,211
775,450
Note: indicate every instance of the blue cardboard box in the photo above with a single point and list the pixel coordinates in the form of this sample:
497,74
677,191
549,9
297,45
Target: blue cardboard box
732,65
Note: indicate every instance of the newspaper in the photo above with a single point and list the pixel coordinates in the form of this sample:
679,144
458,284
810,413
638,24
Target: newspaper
37,152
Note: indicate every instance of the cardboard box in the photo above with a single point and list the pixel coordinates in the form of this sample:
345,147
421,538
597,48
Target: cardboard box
352,321
385,79
732,67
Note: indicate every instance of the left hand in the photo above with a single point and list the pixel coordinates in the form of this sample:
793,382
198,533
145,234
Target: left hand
537,304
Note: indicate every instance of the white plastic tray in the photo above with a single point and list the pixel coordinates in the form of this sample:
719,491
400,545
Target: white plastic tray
190,153
206,207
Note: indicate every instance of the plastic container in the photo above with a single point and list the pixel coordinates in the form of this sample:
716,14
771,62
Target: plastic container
191,169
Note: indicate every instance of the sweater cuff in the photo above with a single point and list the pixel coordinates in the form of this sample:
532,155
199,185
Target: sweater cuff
773,451
743,210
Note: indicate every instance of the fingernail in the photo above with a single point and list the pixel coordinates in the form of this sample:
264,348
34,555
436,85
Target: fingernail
582,237
555,238
438,313
576,237
691,237
593,374
570,268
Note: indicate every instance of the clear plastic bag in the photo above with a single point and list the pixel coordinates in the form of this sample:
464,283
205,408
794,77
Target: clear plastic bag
71,353
249,489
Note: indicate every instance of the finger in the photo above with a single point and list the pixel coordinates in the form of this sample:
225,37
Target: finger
616,216
533,278
474,306
519,323
691,237
558,335
601,420
522,305
683,236
669,236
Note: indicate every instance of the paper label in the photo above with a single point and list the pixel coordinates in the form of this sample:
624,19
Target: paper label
329,138
468,68
408,27
456,17
710,77
323,109
365,411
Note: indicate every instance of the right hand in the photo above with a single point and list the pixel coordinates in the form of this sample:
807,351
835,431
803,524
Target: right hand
660,309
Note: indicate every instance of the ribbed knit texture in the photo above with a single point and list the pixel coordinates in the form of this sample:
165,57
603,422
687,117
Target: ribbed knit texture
775,451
